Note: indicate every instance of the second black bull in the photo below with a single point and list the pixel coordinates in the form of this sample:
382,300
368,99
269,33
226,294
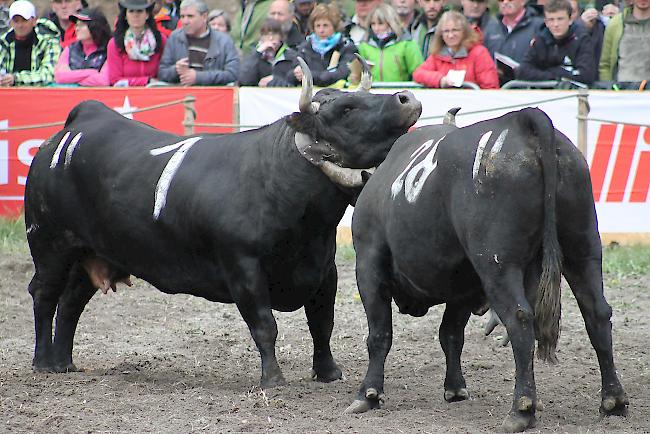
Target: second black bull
248,218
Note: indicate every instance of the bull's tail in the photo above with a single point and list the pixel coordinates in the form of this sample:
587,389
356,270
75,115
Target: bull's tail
547,307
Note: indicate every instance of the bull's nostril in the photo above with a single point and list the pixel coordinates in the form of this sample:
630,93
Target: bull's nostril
403,99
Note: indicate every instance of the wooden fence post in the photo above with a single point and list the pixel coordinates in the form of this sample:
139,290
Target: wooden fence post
190,114
583,113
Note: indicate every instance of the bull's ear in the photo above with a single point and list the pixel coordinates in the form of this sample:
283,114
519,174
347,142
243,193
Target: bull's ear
302,122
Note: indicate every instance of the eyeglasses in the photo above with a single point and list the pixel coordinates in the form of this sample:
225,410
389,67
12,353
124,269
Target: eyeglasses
450,31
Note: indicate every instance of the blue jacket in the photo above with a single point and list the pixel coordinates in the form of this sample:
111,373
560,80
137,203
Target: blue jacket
516,43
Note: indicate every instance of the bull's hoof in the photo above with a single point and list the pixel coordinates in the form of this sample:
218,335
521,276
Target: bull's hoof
614,405
330,374
372,400
273,381
518,422
456,395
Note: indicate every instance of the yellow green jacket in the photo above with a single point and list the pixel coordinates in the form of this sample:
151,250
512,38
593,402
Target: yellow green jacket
396,61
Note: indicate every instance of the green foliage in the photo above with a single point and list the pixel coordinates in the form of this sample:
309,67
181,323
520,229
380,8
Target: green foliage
623,261
12,234
345,253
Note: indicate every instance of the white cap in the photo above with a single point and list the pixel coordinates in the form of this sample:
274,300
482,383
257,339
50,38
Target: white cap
23,8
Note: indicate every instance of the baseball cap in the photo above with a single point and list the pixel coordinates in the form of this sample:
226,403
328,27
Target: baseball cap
81,15
23,8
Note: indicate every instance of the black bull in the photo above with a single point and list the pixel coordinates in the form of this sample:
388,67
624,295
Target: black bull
248,218
492,213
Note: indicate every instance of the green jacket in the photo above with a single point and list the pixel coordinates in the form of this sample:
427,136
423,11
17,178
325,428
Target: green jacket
45,54
609,55
245,31
395,62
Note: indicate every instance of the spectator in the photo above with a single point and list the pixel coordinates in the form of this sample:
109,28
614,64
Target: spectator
457,57
393,54
198,54
425,26
84,61
626,46
219,20
283,11
4,16
518,24
357,28
326,51
559,50
594,24
303,9
479,17
246,29
406,12
166,16
136,47
60,15
268,60
29,51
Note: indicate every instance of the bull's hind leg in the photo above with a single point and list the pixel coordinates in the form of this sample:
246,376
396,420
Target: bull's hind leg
504,287
320,317
452,339
46,286
72,302
585,279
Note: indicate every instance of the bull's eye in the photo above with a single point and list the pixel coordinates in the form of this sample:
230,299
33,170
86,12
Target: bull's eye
346,110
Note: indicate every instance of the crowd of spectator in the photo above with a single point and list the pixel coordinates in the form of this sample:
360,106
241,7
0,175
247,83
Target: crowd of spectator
436,43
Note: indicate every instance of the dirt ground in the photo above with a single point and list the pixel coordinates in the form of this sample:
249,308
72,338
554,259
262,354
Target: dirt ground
161,363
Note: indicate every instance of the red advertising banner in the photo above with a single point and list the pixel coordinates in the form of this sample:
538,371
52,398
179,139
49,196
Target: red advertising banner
26,107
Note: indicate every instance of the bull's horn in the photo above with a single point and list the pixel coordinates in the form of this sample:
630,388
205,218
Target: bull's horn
450,116
366,78
306,104
344,176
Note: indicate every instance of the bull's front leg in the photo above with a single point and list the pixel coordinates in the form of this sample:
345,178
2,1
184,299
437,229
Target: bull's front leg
250,292
452,339
320,316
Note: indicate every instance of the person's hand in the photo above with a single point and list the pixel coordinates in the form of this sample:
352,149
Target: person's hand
266,44
297,72
264,81
589,17
444,82
609,10
182,65
188,77
7,80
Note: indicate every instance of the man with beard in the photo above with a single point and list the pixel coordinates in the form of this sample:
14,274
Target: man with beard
406,12
282,11
425,26
303,9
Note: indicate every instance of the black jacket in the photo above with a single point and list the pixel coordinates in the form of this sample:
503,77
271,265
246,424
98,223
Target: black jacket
324,76
254,67
571,57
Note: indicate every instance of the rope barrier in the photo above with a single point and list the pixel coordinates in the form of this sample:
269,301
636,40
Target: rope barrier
503,108
128,112
605,121
221,125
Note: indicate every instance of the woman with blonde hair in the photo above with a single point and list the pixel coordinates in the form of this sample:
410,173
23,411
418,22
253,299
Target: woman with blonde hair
457,56
392,53
326,51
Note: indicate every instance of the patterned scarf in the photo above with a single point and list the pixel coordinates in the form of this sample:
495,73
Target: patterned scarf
139,48
322,46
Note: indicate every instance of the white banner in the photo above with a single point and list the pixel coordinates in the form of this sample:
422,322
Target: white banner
619,156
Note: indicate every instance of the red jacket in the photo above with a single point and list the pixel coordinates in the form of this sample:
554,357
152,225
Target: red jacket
478,65
136,72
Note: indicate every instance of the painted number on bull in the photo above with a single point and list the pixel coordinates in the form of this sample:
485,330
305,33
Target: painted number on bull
415,175
162,187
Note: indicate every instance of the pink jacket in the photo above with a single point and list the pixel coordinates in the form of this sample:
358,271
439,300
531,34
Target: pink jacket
137,72
83,77
478,65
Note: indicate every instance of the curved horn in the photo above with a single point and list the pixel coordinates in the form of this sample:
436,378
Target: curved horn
306,105
343,176
366,78
450,116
